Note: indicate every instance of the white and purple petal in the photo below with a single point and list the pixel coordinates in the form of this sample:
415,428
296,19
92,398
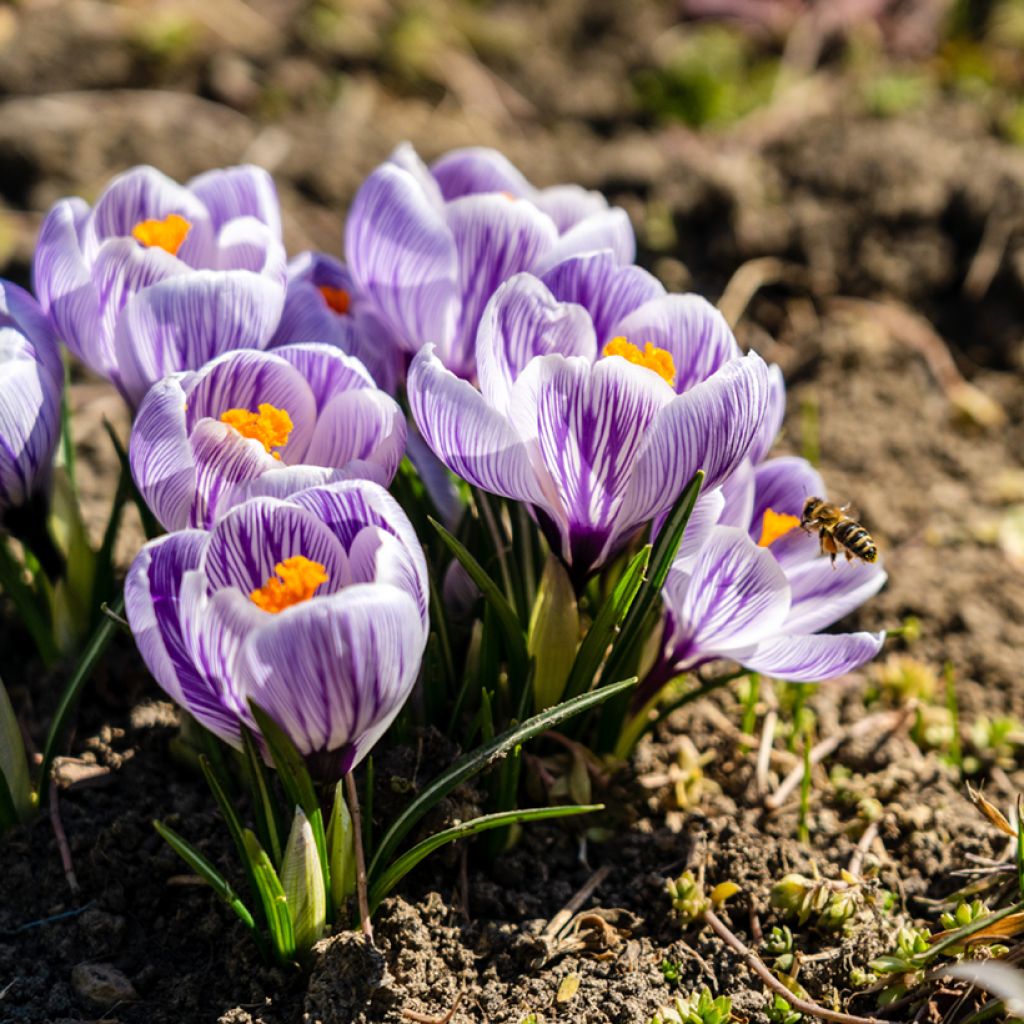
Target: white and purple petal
811,659
243,191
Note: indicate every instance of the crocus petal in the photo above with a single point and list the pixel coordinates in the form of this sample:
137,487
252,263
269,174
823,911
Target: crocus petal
248,244
468,435
247,543
327,370
823,594
403,256
607,290
334,672
495,237
224,461
734,595
688,327
243,191
362,426
464,172
247,378
738,491
784,484
609,229
405,157
523,320
152,600
285,481
183,322
567,205
774,415
160,455
349,507
703,519
810,659
64,285
588,421
18,309
709,427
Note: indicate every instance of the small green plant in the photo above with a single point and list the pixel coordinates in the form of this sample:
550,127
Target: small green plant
780,1012
995,742
690,902
696,1008
901,969
828,904
779,944
671,971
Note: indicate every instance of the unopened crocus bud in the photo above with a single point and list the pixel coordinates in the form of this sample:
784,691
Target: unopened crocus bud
302,879
341,849
553,634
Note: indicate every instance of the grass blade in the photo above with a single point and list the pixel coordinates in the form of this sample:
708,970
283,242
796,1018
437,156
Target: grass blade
103,580
511,627
602,629
291,770
271,893
483,757
404,864
26,604
268,825
98,643
209,874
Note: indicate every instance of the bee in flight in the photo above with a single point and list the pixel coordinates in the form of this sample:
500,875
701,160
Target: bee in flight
837,531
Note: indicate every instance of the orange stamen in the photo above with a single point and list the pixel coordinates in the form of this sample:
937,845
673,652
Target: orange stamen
270,426
652,357
167,234
337,298
296,581
776,525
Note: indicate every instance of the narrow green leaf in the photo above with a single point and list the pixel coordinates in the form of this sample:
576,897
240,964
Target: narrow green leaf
483,757
14,769
302,879
98,643
511,627
400,867
103,580
67,443
295,778
552,635
268,827
202,867
9,816
26,603
602,630
150,526
275,903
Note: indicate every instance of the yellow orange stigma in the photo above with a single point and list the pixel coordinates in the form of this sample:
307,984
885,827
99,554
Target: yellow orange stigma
167,234
337,298
270,425
296,581
776,525
652,357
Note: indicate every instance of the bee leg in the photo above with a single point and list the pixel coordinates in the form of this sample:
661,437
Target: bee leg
849,556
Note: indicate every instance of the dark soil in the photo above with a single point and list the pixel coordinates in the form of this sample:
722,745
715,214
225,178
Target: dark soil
889,212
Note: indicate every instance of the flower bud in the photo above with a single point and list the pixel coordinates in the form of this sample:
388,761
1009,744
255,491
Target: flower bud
554,630
302,879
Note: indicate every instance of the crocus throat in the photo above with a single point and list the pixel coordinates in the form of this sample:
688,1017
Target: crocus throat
270,425
167,234
775,525
652,357
336,298
296,581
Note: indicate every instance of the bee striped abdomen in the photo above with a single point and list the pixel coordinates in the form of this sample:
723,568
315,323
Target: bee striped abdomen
856,540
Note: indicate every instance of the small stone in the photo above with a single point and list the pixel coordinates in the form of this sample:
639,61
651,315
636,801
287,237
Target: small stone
102,985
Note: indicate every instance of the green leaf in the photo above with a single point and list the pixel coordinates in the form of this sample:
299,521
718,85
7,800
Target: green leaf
150,526
268,827
291,769
14,771
511,627
302,879
483,757
341,849
404,864
602,630
272,896
98,643
103,581
202,867
26,603
551,638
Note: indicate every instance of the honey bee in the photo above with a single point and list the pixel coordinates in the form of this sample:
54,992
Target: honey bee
837,531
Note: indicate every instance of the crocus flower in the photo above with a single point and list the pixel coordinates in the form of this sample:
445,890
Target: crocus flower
159,277
260,423
314,608
759,595
31,382
324,304
429,249
597,424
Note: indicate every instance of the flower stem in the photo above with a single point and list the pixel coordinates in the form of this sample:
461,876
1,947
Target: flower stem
357,835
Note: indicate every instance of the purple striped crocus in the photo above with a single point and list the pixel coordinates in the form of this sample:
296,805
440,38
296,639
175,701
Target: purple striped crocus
31,382
429,246
158,277
314,608
255,423
759,593
324,304
595,420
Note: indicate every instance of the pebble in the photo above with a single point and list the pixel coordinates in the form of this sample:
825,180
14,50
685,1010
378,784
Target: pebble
102,985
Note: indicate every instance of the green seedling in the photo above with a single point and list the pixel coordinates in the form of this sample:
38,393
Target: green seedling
696,1008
